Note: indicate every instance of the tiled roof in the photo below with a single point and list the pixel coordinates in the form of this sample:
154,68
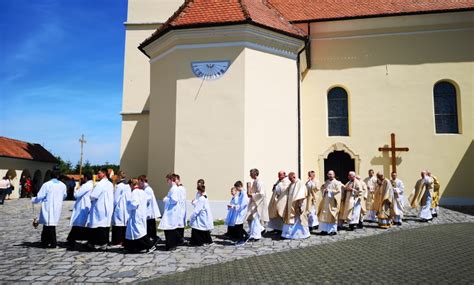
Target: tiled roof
24,150
282,15
314,10
202,13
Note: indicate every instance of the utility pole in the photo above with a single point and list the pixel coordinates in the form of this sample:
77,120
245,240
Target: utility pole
82,140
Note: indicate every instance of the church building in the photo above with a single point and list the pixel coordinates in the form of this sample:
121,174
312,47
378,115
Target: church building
214,88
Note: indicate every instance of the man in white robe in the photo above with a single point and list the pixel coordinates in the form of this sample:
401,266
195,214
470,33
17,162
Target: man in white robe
120,216
277,203
102,207
371,182
152,210
136,238
80,211
257,214
352,201
295,217
51,196
398,199
328,210
170,219
314,198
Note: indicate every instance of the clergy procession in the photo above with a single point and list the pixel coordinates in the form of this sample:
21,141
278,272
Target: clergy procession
125,215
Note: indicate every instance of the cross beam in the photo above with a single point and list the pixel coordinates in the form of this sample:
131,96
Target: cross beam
393,149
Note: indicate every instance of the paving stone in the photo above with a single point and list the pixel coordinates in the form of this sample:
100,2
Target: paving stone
21,259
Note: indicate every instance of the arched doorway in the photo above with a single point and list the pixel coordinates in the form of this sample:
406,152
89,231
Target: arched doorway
47,176
37,181
350,160
341,162
24,184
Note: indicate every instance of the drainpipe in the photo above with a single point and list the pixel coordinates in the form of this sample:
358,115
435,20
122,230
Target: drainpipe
298,103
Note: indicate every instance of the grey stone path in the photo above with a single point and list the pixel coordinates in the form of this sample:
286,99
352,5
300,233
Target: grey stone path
439,254
21,259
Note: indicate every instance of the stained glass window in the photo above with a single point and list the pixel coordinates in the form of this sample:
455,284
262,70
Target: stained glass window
445,108
338,123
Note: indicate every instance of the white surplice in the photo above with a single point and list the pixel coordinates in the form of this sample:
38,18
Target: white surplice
201,218
121,196
82,205
51,196
137,210
102,204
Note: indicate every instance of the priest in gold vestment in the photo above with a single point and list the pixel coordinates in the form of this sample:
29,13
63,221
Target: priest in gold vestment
383,200
277,204
295,217
422,196
353,196
328,210
370,181
313,200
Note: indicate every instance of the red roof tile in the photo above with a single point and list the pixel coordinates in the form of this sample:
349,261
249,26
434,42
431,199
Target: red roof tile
24,150
201,13
307,10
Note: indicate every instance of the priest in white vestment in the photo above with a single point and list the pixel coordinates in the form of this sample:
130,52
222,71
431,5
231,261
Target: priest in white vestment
257,214
295,217
398,199
136,238
80,211
170,219
277,204
201,220
102,207
152,210
51,196
120,216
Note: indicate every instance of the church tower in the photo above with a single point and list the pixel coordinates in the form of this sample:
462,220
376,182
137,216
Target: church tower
144,17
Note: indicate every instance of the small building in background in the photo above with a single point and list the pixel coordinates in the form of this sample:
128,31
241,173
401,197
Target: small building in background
23,159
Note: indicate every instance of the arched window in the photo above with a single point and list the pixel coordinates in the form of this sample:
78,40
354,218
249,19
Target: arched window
445,108
338,123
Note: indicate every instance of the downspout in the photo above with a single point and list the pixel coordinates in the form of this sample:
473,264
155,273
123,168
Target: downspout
306,49
298,104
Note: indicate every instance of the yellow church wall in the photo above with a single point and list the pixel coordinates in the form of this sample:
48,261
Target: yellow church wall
161,130
134,144
389,67
146,11
271,126
208,115
245,119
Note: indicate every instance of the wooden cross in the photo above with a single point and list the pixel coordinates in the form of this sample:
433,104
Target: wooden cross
393,149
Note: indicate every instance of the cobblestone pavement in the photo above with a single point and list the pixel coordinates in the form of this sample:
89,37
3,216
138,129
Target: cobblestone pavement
22,260
440,254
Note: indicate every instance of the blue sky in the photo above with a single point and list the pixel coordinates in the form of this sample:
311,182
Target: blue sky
61,69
